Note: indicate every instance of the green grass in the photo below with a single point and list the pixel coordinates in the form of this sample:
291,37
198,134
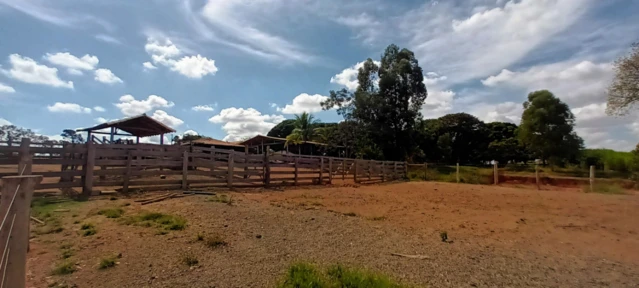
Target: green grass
378,218
440,173
605,188
304,275
155,219
350,214
43,208
67,253
221,198
64,268
88,229
107,262
199,237
111,212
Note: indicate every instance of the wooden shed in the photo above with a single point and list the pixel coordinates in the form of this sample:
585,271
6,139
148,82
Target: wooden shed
136,126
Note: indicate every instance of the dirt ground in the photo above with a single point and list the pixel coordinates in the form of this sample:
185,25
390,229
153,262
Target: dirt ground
497,237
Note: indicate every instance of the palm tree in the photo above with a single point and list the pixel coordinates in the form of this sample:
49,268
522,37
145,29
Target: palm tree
304,129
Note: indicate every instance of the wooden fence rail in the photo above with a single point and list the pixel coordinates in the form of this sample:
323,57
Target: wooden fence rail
120,166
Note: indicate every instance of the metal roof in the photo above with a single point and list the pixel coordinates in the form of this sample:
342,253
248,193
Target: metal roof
213,142
140,126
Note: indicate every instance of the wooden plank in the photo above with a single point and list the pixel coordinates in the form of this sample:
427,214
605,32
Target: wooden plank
330,171
279,165
185,170
297,172
248,173
128,174
7,149
88,167
69,173
201,181
10,161
58,161
229,176
42,186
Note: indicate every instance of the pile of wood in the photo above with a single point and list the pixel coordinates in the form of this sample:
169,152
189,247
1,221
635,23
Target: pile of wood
170,196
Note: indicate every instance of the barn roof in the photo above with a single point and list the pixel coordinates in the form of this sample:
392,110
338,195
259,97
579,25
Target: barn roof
268,140
140,126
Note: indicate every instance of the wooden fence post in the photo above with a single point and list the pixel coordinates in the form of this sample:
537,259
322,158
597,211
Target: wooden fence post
15,230
24,167
267,166
537,175
127,177
405,169
212,170
87,180
296,159
383,171
394,170
321,174
355,170
369,168
330,170
185,170
425,170
231,168
496,173
457,172
343,169
592,178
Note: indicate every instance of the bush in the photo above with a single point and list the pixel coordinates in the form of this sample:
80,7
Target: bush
304,275
111,212
189,259
88,229
108,262
64,268
215,241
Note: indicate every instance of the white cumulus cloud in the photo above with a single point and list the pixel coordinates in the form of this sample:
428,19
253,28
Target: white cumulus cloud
194,66
149,66
240,123
99,109
131,107
304,103
168,120
6,88
106,76
60,107
67,60
348,76
29,71
200,108
165,53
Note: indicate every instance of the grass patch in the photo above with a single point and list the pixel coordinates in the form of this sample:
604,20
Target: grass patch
160,220
67,253
379,218
108,262
43,208
221,198
64,268
605,188
303,275
88,229
189,259
199,237
350,214
113,198
111,212
215,241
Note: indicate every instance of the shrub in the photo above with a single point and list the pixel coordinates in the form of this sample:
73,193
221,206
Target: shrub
350,214
67,253
304,275
199,237
108,262
111,212
221,198
189,259
215,241
88,229
160,220
444,236
64,268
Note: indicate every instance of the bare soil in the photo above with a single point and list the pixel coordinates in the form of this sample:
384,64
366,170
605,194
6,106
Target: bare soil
497,237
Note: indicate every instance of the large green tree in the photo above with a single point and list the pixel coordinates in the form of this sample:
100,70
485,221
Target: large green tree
466,135
386,103
547,128
282,129
623,93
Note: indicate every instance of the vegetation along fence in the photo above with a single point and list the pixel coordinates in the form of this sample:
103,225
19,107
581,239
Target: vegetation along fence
146,166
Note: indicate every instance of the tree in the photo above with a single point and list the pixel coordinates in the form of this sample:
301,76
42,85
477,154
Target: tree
304,127
547,128
15,134
623,93
468,137
282,129
72,136
386,103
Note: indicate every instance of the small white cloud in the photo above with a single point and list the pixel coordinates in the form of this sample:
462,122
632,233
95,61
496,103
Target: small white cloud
502,112
131,107
108,39
348,76
432,78
190,132
106,76
165,49
167,119
4,122
67,60
239,122
76,72
60,107
304,103
149,66
199,108
28,70
438,103
99,109
101,120
6,89
195,66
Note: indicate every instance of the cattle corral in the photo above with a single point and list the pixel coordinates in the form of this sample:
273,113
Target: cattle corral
498,236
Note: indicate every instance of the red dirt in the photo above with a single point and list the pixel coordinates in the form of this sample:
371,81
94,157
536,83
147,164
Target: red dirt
501,237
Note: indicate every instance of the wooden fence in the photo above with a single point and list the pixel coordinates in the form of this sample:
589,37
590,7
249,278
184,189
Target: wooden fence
148,166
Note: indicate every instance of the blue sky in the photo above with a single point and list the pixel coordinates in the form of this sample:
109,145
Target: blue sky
234,68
